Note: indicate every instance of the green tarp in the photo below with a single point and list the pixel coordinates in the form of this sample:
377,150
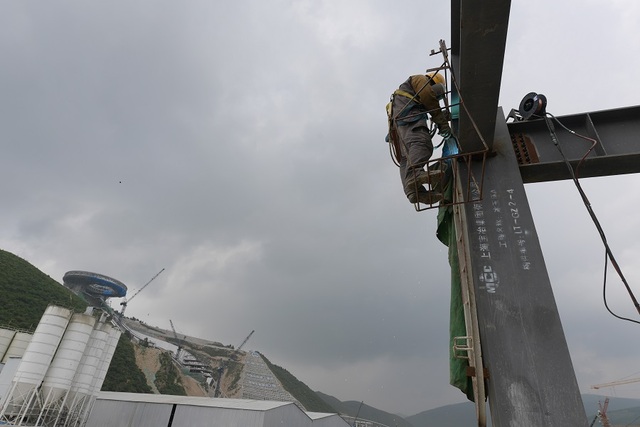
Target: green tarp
446,233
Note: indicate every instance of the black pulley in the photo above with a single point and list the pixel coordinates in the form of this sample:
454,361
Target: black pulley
533,106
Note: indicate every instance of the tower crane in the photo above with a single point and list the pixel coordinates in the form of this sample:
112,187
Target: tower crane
223,365
602,414
178,340
126,301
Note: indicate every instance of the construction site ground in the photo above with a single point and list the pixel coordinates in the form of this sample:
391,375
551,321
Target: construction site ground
148,360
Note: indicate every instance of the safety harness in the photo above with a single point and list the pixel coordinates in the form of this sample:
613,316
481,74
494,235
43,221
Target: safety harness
407,116
404,117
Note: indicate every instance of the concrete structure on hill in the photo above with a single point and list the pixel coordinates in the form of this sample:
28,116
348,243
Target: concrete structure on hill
258,381
94,287
152,410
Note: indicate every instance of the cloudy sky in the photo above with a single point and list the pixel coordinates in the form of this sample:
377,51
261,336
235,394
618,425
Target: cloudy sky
240,145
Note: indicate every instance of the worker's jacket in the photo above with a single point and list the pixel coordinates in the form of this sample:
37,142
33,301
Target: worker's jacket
414,99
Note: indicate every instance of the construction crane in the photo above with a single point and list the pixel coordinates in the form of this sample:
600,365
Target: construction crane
245,341
223,365
615,383
602,414
178,340
127,301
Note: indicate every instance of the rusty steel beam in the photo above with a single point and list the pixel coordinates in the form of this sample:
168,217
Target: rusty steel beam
608,139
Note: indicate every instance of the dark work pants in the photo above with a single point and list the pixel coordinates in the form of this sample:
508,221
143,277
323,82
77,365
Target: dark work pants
416,146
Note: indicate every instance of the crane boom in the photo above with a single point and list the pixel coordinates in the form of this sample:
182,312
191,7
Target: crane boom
126,301
146,284
223,364
245,341
178,340
615,383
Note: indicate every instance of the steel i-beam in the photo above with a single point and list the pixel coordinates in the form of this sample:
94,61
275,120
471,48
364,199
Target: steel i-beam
531,378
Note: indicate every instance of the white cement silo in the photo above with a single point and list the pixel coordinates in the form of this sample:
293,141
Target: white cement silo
35,362
6,336
90,363
87,369
59,377
112,342
101,373
18,345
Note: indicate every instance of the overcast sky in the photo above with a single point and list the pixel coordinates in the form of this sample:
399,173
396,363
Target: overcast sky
240,145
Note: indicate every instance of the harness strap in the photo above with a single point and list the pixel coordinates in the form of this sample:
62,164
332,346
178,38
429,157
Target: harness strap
406,94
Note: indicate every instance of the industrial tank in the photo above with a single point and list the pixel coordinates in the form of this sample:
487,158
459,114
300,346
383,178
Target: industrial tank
6,336
107,355
37,358
88,368
18,345
86,388
62,370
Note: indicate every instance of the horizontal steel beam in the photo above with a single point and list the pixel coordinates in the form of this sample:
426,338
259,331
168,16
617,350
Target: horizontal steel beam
615,135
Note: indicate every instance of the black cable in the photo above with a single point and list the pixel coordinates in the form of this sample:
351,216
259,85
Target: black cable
604,292
608,253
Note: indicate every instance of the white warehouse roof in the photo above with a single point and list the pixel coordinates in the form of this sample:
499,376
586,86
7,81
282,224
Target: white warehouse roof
155,410
321,419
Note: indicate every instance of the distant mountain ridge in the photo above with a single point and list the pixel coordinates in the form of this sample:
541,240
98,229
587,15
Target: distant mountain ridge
365,412
622,411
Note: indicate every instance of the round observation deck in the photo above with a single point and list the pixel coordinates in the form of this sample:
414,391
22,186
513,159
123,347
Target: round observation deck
94,284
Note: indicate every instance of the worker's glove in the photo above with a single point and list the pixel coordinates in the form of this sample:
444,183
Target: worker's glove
450,147
446,134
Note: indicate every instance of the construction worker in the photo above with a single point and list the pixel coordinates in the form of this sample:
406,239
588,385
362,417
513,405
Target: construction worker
416,98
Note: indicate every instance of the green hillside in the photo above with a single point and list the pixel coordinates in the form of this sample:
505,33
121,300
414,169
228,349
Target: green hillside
309,399
26,292
121,376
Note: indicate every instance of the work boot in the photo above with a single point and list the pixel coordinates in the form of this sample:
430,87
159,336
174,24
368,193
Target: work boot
425,197
438,172
422,177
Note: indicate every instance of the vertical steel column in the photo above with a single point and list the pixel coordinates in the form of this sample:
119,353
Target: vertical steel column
478,41
531,379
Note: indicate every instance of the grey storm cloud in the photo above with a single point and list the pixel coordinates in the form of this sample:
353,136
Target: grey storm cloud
241,146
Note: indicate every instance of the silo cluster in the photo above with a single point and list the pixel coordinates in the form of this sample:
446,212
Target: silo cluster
58,370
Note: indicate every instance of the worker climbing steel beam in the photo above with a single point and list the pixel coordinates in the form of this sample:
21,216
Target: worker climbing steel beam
411,105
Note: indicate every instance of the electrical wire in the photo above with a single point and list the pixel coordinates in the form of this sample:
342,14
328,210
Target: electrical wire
604,292
608,253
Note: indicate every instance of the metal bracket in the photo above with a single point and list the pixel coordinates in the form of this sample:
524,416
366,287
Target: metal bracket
470,181
462,346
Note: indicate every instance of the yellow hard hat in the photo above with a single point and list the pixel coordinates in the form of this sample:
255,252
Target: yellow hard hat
436,78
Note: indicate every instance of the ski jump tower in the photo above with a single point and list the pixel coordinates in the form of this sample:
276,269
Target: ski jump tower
94,287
